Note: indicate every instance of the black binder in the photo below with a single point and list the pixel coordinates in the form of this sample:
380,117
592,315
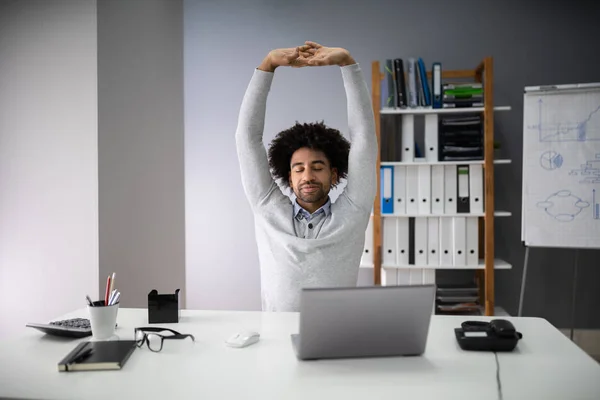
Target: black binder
462,189
401,100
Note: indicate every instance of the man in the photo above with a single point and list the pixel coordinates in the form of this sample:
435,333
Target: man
308,242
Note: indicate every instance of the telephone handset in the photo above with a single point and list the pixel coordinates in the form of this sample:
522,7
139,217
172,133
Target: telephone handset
496,335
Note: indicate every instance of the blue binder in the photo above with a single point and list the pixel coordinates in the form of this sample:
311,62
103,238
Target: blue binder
387,189
424,82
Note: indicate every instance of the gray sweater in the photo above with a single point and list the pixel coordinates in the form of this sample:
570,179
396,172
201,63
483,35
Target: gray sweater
332,258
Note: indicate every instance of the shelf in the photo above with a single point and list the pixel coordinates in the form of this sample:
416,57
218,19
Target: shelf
498,312
496,214
498,264
429,110
424,162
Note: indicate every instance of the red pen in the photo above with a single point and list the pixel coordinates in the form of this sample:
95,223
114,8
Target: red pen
107,291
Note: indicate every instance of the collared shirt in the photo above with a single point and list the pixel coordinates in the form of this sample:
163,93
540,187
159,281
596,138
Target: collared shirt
308,225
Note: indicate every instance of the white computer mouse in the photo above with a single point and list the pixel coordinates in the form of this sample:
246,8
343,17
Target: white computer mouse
243,339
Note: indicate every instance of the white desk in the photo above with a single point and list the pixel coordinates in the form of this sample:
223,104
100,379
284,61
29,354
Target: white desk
546,365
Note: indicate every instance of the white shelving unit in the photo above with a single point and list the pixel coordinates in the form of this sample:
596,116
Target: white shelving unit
483,260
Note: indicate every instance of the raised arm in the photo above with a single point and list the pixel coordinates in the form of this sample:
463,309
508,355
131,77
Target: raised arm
252,155
362,175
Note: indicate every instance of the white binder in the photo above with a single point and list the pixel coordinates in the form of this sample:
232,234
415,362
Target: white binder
433,242
367,256
421,241
450,189
399,190
429,276
424,176
389,277
416,276
460,238
476,188
472,245
437,189
389,241
408,138
412,189
404,277
431,137
402,242
446,242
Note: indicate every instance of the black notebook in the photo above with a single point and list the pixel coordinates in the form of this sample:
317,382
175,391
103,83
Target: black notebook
95,356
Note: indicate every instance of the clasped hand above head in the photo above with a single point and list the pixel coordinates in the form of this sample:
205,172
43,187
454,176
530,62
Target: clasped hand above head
310,54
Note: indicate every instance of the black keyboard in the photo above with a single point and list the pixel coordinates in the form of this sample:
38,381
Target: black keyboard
74,327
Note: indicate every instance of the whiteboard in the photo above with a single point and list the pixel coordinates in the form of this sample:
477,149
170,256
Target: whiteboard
561,166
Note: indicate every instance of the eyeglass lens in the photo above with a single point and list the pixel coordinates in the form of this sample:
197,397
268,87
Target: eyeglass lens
154,341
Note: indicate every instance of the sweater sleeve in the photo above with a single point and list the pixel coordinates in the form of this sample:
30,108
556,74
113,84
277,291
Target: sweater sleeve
362,178
252,155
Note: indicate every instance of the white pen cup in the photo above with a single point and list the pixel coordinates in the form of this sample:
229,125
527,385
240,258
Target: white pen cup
103,320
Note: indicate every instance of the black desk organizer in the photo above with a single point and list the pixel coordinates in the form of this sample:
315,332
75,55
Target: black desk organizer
163,308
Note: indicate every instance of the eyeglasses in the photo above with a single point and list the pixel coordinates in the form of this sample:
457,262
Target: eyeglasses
155,340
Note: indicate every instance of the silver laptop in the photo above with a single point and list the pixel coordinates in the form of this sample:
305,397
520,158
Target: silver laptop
364,321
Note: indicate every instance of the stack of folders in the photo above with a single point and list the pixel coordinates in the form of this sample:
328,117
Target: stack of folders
422,242
423,189
460,137
457,299
405,84
462,95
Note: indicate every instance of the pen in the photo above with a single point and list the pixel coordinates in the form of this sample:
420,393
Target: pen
112,284
80,356
107,292
90,302
115,299
112,296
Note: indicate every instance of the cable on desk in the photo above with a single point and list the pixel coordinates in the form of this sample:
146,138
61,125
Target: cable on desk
498,377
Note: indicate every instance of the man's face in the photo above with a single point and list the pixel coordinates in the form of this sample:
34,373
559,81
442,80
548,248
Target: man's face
311,175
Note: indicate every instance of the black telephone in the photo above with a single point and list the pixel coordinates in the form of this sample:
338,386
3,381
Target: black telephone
496,335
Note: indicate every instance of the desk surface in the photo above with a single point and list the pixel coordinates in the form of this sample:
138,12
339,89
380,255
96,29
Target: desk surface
546,365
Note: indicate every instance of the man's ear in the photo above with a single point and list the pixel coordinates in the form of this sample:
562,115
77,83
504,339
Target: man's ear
290,179
334,176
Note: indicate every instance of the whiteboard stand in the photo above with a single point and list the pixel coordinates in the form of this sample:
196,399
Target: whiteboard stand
574,288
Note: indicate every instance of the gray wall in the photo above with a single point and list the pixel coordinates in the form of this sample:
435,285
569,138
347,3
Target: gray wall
48,160
532,42
140,145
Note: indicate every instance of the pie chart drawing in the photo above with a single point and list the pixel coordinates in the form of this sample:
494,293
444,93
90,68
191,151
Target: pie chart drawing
551,160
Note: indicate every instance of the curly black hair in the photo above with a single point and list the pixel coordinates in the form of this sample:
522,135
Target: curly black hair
316,136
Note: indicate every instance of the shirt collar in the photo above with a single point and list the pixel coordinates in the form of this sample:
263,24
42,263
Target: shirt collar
299,210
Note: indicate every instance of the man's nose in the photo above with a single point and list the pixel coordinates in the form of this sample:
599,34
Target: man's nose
308,175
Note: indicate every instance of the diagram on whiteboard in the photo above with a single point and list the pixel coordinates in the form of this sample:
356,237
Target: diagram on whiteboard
578,130
550,160
590,171
563,205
